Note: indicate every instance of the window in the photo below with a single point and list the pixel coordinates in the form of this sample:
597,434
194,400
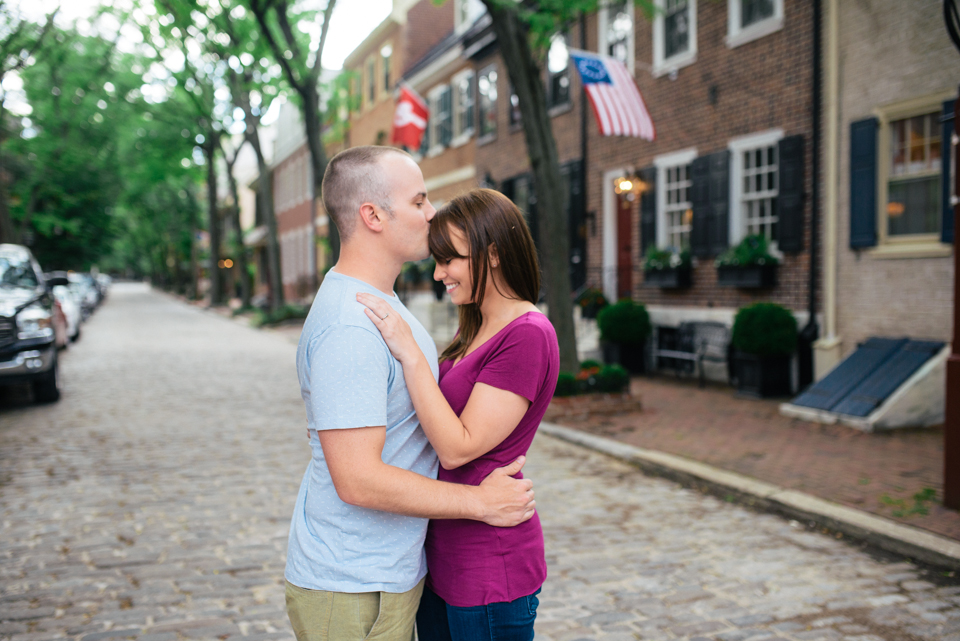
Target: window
385,52
558,72
487,92
441,119
913,185
615,23
674,206
748,20
463,122
515,117
754,185
371,81
674,35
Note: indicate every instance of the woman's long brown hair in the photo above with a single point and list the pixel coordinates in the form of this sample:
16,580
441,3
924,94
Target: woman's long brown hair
487,219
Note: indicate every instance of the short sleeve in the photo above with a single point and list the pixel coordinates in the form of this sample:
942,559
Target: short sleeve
349,377
519,363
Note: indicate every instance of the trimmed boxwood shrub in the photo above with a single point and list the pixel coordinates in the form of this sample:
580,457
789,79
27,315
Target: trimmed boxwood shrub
624,323
590,364
765,329
613,378
566,384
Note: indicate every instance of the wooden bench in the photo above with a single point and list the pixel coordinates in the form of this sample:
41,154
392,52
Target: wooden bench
698,342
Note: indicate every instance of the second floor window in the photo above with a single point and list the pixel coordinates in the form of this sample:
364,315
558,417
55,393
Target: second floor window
676,28
617,30
465,104
515,117
441,117
385,53
754,11
558,72
487,101
371,80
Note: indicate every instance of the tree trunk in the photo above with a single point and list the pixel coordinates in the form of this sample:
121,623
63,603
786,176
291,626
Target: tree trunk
238,241
210,147
265,198
527,80
318,159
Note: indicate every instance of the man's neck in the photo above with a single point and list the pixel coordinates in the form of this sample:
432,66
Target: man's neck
376,273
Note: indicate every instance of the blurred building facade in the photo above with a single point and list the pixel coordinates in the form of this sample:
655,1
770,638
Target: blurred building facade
891,79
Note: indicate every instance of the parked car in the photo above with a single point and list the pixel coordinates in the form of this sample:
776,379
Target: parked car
28,353
70,304
85,289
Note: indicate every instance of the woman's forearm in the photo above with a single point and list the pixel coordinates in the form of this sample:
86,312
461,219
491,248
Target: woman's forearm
446,432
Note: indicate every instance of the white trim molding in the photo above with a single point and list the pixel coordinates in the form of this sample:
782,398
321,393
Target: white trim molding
737,35
661,65
662,163
463,173
736,146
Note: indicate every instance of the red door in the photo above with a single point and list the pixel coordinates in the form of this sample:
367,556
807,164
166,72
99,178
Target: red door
624,255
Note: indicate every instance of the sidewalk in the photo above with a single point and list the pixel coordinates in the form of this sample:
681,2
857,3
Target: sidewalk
887,474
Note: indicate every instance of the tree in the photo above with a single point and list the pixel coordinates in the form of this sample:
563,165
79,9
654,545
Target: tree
303,75
524,31
19,40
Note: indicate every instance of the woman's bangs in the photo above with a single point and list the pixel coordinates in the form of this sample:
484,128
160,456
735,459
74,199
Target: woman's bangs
441,245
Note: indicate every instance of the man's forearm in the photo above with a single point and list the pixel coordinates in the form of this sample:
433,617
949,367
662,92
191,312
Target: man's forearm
392,489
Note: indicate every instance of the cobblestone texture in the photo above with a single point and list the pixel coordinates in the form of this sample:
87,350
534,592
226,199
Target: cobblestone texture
152,502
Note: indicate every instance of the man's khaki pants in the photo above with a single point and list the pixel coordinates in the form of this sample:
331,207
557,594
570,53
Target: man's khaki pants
317,615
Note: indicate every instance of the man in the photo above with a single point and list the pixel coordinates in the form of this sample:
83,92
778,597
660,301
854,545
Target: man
355,561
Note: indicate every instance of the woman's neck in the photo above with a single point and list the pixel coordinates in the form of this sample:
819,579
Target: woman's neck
497,309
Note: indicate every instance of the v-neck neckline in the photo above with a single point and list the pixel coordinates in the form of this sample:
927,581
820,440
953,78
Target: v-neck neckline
498,332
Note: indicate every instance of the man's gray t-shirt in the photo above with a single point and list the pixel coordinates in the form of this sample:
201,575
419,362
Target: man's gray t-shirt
349,379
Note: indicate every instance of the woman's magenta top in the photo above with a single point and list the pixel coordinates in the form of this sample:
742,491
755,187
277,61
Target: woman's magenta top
469,562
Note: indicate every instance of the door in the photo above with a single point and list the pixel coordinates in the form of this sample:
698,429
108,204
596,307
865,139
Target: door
624,253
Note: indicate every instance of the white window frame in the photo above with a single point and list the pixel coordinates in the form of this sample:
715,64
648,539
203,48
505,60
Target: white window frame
737,146
631,36
661,64
663,163
737,36
433,97
461,136
906,245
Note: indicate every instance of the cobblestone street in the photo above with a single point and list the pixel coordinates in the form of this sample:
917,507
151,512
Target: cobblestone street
153,501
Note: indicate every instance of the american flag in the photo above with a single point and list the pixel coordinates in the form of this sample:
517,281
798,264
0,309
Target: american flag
616,100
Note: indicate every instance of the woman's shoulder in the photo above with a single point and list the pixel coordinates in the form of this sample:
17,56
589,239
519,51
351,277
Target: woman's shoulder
531,327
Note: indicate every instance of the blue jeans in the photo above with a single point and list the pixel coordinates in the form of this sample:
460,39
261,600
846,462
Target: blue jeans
510,621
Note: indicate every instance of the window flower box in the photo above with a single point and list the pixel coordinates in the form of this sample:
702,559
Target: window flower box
669,277
747,276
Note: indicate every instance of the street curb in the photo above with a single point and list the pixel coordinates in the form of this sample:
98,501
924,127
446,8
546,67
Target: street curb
888,535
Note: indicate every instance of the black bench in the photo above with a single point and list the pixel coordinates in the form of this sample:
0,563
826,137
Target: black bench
697,342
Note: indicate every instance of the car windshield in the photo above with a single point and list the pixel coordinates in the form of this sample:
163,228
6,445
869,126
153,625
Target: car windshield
17,271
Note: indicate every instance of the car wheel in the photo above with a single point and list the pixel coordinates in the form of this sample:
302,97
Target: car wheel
47,388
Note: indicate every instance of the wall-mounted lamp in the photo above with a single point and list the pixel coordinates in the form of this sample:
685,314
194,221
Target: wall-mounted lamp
631,185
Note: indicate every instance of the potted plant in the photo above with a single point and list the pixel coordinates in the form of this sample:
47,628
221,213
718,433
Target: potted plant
591,301
764,338
749,265
668,268
624,329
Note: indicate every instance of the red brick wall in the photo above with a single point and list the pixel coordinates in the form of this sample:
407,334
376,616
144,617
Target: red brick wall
427,24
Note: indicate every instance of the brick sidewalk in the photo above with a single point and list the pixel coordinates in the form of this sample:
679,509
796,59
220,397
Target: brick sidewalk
878,473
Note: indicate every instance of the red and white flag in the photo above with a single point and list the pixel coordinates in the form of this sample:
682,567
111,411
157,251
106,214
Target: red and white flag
616,100
410,118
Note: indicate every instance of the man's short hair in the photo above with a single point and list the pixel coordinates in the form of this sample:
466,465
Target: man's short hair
353,177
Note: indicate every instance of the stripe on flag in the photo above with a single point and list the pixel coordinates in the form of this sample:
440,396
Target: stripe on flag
613,93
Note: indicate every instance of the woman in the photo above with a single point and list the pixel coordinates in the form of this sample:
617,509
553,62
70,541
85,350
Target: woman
496,381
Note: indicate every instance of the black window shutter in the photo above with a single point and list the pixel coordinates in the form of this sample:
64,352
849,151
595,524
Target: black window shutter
700,203
946,153
790,197
648,209
863,183
720,201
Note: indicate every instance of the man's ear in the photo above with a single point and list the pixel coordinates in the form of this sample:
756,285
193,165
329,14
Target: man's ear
370,216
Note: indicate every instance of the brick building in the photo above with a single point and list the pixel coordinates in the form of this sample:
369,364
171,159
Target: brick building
891,78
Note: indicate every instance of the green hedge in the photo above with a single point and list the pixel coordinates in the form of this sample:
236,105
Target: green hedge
765,329
624,323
